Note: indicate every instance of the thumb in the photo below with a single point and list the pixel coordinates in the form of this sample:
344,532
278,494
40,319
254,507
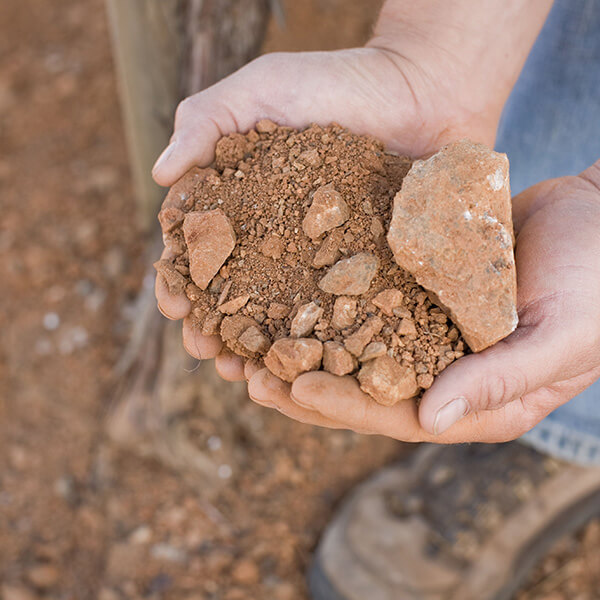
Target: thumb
525,361
200,121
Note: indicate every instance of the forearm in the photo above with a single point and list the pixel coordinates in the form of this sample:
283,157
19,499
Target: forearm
480,45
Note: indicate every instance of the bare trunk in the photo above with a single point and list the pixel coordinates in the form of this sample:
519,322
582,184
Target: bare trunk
165,50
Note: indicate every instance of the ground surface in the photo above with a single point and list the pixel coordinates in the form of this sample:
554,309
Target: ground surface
80,518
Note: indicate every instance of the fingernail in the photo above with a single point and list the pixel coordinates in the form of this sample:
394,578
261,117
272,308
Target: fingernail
449,414
164,157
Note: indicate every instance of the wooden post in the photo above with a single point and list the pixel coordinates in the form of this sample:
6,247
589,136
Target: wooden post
164,50
148,46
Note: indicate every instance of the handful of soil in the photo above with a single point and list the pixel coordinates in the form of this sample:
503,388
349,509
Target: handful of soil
281,248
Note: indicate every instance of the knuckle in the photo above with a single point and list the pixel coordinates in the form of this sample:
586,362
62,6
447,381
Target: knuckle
500,388
185,108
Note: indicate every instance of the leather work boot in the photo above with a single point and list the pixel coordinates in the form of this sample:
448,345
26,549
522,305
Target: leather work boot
463,522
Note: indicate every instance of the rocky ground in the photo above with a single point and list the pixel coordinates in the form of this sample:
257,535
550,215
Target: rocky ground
79,517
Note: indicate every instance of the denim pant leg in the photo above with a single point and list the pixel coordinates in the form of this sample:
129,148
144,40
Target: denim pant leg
551,127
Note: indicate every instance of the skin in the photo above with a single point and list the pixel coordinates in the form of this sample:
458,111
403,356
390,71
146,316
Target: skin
418,85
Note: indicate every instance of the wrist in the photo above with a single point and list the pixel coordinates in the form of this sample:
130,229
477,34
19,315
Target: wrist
464,55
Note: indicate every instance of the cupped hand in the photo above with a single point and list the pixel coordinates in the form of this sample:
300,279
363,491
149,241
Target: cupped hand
375,90
498,394
503,392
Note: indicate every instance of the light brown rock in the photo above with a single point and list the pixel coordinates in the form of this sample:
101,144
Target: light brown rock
388,300
357,342
387,381
278,311
170,217
254,340
452,229
337,360
232,329
290,357
327,210
350,276
273,246
310,158
266,126
425,380
344,313
329,251
305,320
210,240
372,350
175,281
232,306
212,324
407,327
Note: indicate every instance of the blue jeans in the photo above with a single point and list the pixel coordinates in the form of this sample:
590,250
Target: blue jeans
550,128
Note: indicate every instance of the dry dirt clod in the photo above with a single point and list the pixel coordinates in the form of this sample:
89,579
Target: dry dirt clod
350,276
327,211
210,240
231,330
329,251
452,229
425,380
372,350
357,342
337,360
234,305
212,324
273,247
254,340
170,217
388,300
387,381
266,126
288,358
176,282
344,313
407,327
277,310
305,320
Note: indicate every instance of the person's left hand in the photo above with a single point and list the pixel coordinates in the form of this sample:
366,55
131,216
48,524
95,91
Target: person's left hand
500,393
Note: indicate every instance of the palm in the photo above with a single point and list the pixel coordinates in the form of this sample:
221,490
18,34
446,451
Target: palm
558,263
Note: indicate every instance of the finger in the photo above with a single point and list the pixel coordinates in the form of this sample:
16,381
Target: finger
197,345
201,120
251,367
229,366
270,391
341,400
172,306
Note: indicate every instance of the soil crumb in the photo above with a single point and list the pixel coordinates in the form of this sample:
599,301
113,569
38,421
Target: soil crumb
284,239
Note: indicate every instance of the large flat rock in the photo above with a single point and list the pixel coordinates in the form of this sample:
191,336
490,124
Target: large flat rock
452,229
